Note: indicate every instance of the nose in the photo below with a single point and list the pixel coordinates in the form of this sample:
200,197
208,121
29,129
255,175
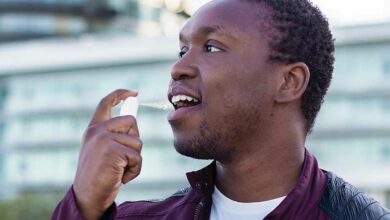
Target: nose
184,68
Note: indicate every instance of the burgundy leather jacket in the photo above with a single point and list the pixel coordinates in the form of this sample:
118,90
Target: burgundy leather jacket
318,195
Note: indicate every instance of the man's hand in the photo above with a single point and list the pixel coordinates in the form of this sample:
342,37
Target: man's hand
110,155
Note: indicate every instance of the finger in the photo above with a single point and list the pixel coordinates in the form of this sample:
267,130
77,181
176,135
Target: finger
128,141
123,124
104,109
132,172
128,156
134,162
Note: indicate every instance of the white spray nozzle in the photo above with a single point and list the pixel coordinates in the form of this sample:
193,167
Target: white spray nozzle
129,107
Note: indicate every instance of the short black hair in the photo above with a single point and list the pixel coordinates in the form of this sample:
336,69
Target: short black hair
303,35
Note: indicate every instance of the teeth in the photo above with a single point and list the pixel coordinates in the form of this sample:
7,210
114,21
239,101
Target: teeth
177,98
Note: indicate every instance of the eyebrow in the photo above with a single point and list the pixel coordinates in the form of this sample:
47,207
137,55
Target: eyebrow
207,30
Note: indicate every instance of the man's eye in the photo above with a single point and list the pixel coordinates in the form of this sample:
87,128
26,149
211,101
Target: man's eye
211,48
182,52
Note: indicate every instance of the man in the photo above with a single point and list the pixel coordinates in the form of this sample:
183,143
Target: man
246,89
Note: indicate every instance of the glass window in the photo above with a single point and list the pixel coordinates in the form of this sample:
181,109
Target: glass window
28,93
22,166
41,166
355,152
386,67
2,130
355,112
385,152
3,94
359,64
1,166
386,105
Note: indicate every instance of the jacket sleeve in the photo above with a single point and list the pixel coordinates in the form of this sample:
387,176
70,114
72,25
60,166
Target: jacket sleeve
344,201
68,209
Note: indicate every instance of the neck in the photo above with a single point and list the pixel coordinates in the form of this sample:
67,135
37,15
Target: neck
263,172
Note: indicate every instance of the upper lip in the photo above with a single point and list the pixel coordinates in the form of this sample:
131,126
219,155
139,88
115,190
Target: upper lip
179,90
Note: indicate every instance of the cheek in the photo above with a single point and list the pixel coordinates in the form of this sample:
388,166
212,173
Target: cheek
241,101
229,85
229,97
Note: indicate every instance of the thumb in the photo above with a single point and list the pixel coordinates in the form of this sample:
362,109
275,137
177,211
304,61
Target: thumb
104,109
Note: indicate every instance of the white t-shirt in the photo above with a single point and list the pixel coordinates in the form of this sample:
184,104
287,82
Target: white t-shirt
224,208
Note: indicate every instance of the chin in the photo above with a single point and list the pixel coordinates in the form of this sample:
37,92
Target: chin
202,143
190,149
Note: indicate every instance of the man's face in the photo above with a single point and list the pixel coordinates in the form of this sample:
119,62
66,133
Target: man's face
224,67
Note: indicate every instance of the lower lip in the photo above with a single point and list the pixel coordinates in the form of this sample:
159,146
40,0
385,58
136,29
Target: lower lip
182,113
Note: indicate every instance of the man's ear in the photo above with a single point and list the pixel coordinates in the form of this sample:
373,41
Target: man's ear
292,83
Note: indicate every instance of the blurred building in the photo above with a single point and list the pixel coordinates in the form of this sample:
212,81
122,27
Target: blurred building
49,89
352,133
26,19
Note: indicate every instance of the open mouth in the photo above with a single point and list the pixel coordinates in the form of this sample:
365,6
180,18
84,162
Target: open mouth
181,101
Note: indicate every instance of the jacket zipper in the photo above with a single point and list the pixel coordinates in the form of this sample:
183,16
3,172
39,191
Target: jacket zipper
197,210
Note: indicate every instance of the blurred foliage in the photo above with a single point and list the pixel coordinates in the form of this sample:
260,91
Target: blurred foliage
29,206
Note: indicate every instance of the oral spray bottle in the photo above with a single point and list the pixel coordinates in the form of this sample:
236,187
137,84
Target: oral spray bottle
129,107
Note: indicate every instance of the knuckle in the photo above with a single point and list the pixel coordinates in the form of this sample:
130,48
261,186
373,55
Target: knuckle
138,168
131,119
104,101
139,159
138,143
135,159
116,91
106,124
137,172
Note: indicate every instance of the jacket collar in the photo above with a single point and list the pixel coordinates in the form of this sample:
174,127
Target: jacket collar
204,179
305,195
